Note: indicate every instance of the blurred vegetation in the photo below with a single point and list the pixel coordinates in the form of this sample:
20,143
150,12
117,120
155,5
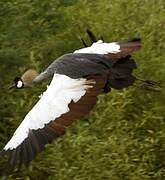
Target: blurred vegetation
124,136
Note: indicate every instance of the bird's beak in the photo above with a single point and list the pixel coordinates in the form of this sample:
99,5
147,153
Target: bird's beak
12,86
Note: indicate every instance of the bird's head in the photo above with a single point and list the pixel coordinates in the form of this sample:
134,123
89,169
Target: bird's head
18,83
26,80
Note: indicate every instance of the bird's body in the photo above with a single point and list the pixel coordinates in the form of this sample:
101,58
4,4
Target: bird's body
91,60
77,79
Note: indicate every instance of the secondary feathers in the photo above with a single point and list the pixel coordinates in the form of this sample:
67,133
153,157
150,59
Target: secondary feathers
53,103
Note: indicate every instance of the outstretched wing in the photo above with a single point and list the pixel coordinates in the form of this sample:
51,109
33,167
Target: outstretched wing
113,50
95,59
65,101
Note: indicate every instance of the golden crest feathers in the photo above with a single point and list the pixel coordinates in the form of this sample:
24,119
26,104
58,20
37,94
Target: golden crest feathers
29,76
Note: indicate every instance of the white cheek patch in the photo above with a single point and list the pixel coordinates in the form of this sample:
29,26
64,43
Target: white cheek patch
19,84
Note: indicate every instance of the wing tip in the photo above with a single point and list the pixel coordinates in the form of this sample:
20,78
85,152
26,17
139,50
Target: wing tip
91,36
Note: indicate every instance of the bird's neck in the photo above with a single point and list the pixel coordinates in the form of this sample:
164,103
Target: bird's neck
42,76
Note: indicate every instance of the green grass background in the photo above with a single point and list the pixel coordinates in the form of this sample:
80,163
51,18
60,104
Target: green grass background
123,138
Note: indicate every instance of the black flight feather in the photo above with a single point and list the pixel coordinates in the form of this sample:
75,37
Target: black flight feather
91,35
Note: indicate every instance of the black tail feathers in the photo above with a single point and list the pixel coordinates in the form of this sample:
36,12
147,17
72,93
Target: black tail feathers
120,75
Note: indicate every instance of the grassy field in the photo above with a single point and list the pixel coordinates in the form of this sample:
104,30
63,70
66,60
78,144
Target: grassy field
123,138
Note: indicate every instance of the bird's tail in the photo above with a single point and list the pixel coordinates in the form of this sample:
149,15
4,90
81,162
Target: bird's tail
121,76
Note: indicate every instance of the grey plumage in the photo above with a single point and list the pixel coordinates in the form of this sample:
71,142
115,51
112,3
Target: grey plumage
77,66
81,65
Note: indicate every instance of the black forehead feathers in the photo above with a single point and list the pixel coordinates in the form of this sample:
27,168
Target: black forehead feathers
17,79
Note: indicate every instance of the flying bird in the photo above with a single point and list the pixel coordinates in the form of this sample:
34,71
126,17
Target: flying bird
77,80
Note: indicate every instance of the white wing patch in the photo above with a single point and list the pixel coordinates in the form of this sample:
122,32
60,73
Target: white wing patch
53,103
100,48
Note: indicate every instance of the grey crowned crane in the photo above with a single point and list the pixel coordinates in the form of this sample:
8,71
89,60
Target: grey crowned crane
77,80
